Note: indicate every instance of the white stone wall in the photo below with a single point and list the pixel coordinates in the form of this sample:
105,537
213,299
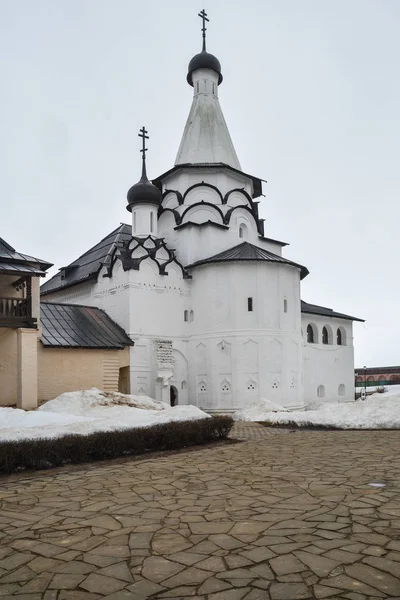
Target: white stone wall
328,366
237,356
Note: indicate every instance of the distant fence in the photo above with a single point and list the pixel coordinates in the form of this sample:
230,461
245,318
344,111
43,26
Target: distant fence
376,382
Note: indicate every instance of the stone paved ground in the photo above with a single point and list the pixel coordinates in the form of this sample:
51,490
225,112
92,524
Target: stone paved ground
279,517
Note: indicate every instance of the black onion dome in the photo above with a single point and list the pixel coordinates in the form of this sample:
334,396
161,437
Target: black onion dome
143,192
204,60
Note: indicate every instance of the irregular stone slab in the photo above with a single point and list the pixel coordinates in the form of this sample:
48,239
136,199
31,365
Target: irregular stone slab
157,568
322,591
209,528
169,543
229,595
381,581
20,575
282,565
140,540
188,558
117,571
144,588
247,527
342,556
286,591
179,592
226,541
383,564
213,585
102,585
65,581
320,565
257,555
189,576
214,563
343,582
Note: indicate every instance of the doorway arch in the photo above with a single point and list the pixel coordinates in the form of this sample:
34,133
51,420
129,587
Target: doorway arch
173,395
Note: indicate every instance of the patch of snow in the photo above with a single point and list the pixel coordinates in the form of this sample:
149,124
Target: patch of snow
257,408
378,411
88,411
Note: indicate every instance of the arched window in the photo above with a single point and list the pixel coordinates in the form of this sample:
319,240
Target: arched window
325,336
310,334
243,231
250,304
151,222
342,389
321,391
191,316
197,87
134,221
339,337
186,316
285,305
213,88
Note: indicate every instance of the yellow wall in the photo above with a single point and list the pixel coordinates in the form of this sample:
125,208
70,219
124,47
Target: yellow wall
70,369
8,367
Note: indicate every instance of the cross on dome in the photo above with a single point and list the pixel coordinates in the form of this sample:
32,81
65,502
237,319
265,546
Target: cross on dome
143,192
203,15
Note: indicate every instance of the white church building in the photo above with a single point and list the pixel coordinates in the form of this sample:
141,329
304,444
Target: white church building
211,304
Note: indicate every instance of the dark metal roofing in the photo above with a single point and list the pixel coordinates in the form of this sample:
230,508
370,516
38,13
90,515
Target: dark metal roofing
12,261
376,370
314,309
248,252
75,326
257,185
204,60
88,265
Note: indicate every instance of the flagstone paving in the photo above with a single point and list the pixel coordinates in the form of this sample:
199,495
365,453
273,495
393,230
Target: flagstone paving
276,517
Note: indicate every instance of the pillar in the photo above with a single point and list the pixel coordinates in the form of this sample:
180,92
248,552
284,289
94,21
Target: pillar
27,374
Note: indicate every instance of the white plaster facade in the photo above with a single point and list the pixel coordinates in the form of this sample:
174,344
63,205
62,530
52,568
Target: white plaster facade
234,326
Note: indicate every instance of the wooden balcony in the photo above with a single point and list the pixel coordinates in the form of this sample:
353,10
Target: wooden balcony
16,312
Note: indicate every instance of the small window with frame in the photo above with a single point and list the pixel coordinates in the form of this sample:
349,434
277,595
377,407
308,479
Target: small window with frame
250,304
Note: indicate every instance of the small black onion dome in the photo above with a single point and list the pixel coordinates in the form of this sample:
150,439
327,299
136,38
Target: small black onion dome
143,192
204,60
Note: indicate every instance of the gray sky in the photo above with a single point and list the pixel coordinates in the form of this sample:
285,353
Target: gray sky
311,95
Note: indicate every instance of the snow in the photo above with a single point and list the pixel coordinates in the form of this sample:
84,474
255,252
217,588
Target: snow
87,411
378,411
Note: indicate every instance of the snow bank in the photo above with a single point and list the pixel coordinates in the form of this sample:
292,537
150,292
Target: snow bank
260,407
89,411
378,411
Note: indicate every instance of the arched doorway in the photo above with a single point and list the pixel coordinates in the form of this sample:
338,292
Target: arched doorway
173,395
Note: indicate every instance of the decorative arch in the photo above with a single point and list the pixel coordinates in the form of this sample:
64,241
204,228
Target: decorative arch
202,205
321,391
228,214
327,335
200,185
178,197
241,191
177,216
342,389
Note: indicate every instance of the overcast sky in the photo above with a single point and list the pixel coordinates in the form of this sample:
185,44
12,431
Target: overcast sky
311,95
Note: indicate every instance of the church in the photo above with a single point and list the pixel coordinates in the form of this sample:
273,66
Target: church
208,299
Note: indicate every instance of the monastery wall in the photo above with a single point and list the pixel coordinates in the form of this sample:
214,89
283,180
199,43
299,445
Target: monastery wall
328,368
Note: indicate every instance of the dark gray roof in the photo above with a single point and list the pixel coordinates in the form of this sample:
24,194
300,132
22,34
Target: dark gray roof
88,265
314,309
12,261
75,326
248,252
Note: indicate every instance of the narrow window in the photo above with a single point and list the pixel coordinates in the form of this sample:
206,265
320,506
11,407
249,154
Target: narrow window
243,231
285,305
213,88
191,319
342,389
325,337
250,304
197,87
339,337
310,334
321,391
186,316
134,221
151,222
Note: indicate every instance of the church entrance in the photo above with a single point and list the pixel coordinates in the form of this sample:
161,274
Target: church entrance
173,395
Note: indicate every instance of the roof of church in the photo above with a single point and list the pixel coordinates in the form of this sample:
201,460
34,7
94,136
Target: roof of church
314,309
87,266
12,261
75,326
248,252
